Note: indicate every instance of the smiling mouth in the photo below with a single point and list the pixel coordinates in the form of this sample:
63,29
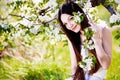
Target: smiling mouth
74,28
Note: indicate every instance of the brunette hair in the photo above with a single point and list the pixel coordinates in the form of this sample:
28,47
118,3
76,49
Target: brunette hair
97,2
69,8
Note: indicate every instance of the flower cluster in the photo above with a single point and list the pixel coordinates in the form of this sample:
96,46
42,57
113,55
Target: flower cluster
78,17
88,62
88,5
117,1
88,59
88,32
115,19
88,42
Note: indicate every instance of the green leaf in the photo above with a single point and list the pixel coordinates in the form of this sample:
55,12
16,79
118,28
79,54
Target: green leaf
2,47
83,63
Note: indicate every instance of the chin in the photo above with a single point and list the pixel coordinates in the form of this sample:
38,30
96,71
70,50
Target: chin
76,31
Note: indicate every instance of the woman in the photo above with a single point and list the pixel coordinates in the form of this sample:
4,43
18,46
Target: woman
75,32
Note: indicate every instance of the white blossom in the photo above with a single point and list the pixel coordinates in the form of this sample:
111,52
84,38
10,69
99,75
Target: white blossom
90,42
114,18
90,45
77,18
117,1
34,30
86,63
9,1
87,59
56,30
82,66
52,41
101,22
52,3
77,1
118,7
84,52
5,26
20,32
4,43
24,22
88,5
43,18
37,1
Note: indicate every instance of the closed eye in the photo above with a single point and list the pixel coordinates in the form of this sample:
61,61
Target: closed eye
71,18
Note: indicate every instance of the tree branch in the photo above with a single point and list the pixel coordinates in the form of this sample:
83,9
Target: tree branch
49,21
43,11
110,9
19,16
44,22
2,18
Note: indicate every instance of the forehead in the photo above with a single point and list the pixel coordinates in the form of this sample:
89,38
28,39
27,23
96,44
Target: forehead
64,17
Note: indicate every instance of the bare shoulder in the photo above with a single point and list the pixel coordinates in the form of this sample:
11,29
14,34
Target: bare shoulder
107,32
107,40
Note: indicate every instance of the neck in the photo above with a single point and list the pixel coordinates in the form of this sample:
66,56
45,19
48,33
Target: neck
81,32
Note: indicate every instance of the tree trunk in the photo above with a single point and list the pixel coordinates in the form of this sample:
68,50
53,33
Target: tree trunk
110,9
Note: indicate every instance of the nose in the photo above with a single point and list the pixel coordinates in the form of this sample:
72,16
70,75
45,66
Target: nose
70,25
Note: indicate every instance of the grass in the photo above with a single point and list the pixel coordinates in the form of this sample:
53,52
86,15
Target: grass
14,69
114,70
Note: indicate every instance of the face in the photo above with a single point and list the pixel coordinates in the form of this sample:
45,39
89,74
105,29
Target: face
68,21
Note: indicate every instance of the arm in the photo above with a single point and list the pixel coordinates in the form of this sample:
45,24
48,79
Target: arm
73,58
103,48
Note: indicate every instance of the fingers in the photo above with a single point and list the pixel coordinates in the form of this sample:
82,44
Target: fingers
91,23
93,26
96,29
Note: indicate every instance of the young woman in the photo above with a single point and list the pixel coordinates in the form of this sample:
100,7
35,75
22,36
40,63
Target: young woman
75,32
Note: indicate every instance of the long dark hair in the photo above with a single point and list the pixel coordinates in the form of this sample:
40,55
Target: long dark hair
69,8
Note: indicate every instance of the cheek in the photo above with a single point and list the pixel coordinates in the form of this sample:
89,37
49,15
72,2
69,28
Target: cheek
79,28
68,27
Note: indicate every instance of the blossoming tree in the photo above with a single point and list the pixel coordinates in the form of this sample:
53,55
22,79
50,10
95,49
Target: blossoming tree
25,22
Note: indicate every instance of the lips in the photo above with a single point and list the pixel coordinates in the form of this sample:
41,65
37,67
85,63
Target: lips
73,28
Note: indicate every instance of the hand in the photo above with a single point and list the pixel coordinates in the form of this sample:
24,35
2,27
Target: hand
97,31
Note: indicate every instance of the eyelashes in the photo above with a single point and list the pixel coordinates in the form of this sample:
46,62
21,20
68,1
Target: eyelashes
69,19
